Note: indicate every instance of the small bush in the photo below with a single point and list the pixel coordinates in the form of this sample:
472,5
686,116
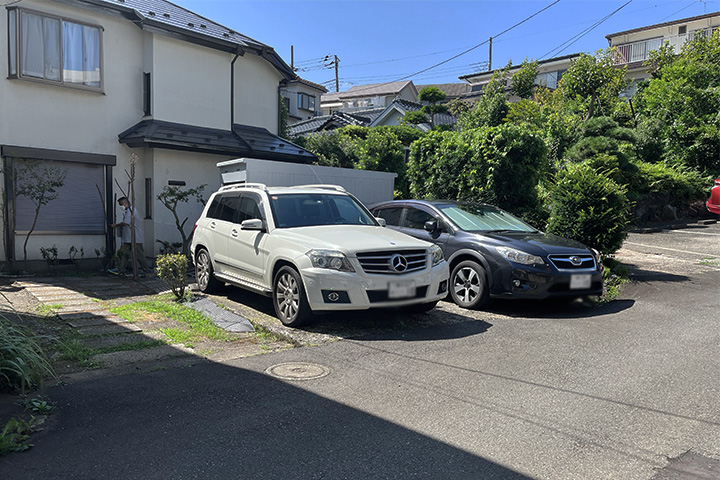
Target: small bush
22,361
588,206
172,268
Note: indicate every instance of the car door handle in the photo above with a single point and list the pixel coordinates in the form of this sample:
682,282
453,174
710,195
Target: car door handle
212,225
234,233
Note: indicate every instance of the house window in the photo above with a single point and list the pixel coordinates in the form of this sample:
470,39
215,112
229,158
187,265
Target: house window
147,99
54,49
306,102
682,29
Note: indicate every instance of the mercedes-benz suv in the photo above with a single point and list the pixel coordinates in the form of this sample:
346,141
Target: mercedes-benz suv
312,248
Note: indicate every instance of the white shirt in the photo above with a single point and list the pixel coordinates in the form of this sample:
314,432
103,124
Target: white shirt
126,233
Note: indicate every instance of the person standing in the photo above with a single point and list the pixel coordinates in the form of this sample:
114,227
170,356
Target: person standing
125,250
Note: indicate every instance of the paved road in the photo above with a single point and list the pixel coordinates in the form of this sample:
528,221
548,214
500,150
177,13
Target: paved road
524,390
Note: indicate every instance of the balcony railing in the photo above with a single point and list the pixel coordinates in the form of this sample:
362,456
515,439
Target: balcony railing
640,51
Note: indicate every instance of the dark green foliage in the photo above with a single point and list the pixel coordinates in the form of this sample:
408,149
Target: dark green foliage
680,186
588,206
523,81
492,107
380,149
431,96
680,104
592,84
498,165
172,268
602,148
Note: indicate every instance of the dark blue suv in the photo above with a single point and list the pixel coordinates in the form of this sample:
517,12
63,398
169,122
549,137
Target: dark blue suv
494,254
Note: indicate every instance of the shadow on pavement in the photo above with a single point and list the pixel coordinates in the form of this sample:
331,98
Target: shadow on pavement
216,421
544,309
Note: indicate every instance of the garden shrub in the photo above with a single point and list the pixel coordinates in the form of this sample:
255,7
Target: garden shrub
498,165
173,268
588,206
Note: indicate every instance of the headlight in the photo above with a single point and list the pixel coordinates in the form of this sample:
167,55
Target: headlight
437,255
331,259
518,256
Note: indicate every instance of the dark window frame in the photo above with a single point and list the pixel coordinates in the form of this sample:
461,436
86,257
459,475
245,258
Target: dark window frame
15,67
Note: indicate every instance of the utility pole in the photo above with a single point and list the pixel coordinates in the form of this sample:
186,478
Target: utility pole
490,56
292,57
337,77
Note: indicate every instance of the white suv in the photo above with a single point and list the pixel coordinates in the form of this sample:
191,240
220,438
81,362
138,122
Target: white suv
312,248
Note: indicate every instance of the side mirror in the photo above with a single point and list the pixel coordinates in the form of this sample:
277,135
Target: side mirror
431,225
381,221
252,224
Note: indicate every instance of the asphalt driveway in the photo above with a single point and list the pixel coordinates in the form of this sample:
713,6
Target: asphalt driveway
523,390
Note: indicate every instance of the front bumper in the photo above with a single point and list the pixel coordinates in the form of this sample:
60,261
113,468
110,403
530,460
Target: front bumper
332,290
532,283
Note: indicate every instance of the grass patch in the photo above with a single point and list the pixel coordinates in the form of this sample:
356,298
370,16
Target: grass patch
614,277
199,323
23,362
177,335
710,261
50,309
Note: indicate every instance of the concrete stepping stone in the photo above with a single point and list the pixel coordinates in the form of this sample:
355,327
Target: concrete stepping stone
130,338
109,329
148,354
68,317
97,321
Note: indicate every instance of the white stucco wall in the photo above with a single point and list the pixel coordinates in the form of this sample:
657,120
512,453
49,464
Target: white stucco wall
177,165
256,92
191,84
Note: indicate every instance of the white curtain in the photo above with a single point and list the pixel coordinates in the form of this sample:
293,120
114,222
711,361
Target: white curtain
91,64
32,46
52,48
72,53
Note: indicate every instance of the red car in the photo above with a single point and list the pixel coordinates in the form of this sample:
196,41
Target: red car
713,203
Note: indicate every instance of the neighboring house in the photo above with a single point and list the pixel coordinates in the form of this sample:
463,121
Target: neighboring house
90,82
633,47
453,91
394,113
302,99
333,121
549,73
364,97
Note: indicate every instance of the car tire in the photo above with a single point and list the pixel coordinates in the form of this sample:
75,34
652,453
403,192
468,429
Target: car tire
204,272
422,308
469,286
289,299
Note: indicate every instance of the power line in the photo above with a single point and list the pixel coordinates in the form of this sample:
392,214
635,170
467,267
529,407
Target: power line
465,52
563,46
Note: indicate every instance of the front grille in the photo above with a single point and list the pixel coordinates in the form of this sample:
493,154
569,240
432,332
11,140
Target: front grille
378,296
564,262
381,262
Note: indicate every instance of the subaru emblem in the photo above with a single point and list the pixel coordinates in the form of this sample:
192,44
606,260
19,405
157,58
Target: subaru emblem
398,263
575,260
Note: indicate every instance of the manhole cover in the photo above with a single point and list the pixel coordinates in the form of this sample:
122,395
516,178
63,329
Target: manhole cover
297,371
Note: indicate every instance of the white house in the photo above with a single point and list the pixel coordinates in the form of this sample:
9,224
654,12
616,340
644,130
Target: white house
302,99
365,97
549,73
633,47
90,82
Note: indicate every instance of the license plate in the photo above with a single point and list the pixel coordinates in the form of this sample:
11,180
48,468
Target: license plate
580,282
401,289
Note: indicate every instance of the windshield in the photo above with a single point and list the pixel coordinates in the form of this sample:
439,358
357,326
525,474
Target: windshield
311,209
483,218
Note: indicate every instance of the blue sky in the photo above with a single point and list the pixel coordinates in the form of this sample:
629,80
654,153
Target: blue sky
383,41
